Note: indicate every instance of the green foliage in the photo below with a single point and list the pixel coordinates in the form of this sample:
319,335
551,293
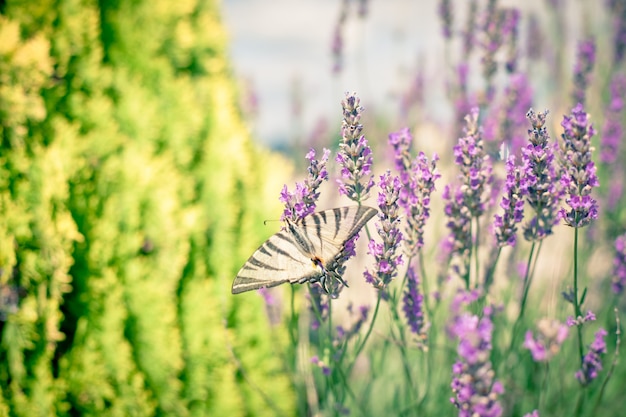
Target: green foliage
127,180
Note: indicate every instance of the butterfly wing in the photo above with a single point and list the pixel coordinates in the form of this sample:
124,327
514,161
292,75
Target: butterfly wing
277,261
293,255
329,230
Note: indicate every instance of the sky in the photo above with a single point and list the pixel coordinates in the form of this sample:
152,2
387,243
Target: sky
282,50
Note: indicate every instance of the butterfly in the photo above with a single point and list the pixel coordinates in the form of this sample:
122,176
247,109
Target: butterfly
307,250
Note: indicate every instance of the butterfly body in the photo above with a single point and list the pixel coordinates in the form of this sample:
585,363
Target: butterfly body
304,251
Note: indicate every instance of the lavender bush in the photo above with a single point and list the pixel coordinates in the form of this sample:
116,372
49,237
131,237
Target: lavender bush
459,303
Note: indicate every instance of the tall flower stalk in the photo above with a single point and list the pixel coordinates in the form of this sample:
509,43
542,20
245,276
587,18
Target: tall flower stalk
578,180
467,202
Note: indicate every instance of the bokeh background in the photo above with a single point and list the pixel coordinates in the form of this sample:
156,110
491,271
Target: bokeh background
144,143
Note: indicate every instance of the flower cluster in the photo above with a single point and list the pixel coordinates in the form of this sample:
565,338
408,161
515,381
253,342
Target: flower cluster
445,13
459,220
418,178
513,205
413,305
579,172
618,11
386,253
578,321
355,155
538,180
592,361
585,59
301,202
612,131
345,334
508,124
474,385
619,265
511,30
475,166
550,337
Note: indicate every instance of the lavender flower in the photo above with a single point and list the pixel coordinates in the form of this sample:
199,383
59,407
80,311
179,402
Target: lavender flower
618,11
459,219
337,39
619,265
538,180
418,178
301,202
578,321
592,361
385,253
315,360
345,334
579,171
534,413
413,306
550,337
445,13
510,121
469,33
513,205
510,30
535,38
612,132
475,166
585,60
355,155
474,385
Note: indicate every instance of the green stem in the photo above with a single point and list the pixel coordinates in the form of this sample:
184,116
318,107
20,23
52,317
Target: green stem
370,328
577,312
476,262
527,280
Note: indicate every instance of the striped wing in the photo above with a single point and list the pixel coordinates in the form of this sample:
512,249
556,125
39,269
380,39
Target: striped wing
329,230
293,255
277,261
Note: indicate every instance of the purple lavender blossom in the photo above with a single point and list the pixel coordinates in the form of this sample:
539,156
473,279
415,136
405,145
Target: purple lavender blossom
612,131
571,321
534,413
315,360
619,265
513,205
585,59
385,253
538,180
469,33
301,202
579,172
475,166
509,123
345,334
592,361
617,10
510,30
355,155
459,219
474,385
337,39
551,335
413,305
535,38
445,13
418,178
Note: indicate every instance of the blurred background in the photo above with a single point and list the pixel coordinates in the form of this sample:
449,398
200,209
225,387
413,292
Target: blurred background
144,143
